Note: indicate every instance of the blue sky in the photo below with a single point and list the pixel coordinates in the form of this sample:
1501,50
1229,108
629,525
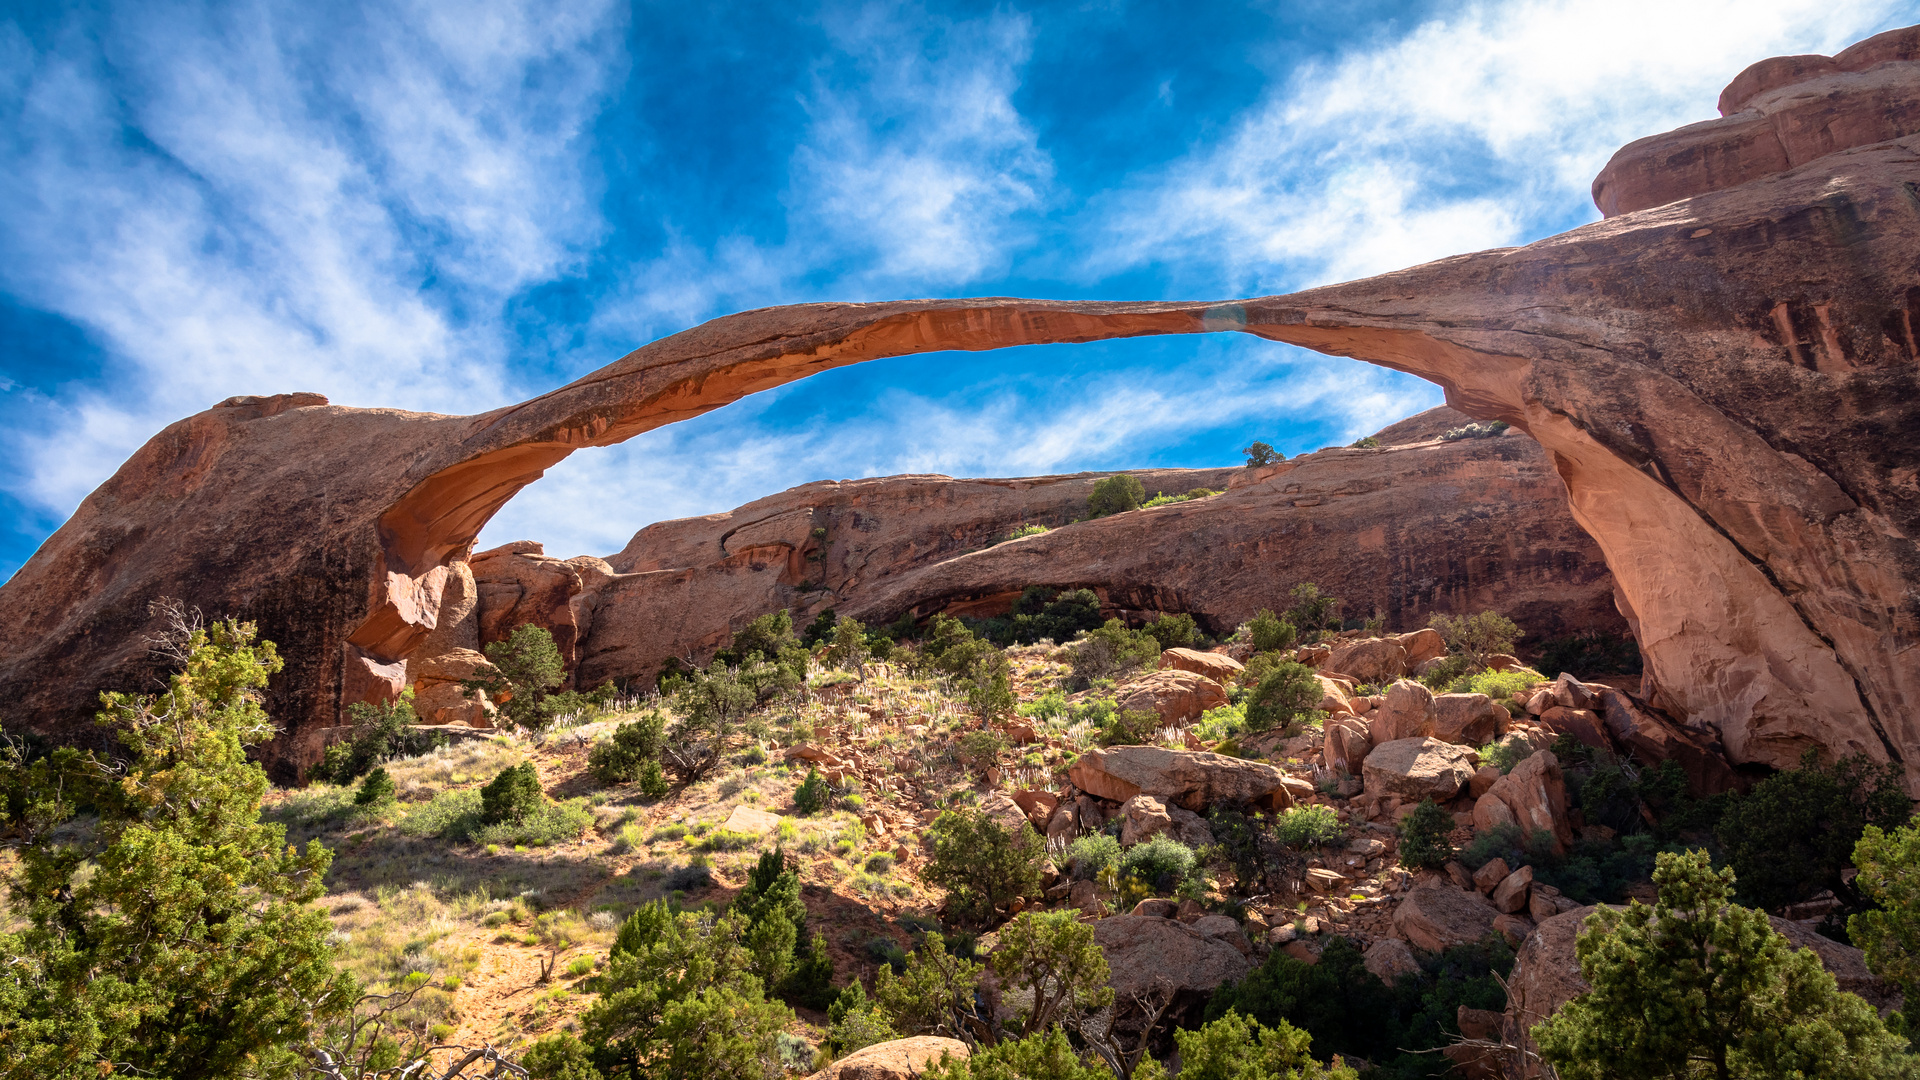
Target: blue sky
450,207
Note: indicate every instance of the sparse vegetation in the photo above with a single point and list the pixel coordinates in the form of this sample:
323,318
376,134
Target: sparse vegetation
1115,495
1259,454
1309,826
981,864
1424,842
1270,633
1475,638
1475,431
1796,830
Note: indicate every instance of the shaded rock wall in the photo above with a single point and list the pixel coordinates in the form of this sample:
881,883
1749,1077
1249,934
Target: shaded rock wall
1726,383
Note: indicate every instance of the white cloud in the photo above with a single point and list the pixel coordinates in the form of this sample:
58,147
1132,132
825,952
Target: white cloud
915,152
252,201
1477,129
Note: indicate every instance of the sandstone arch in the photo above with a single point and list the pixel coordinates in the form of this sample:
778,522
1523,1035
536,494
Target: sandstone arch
1726,382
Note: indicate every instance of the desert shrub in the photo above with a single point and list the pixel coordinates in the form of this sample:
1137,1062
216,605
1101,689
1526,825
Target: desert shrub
1040,1056
811,796
1164,499
1474,638
1111,651
1089,856
1021,532
1270,632
1365,442
774,921
379,733
1499,685
622,758
1506,753
511,795
1159,863
1313,611
1795,831
1260,454
1251,844
560,1056
1129,727
1042,613
854,1022
1348,1010
936,992
376,790
849,651
809,982
724,839
1586,655
990,694
1889,863
1444,673
1115,495
1052,960
1474,431
550,823
1423,837
1310,826
981,748
1287,695
689,878
981,864
177,936
1173,631
1696,979
680,999
1050,706
1235,1048
1221,723
524,669
820,630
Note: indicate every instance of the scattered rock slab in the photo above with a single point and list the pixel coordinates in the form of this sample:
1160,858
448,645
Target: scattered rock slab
1405,712
1369,660
1148,816
900,1059
1418,768
1179,697
1510,896
1536,794
1437,916
748,820
1145,953
1389,958
1190,779
1219,667
1467,719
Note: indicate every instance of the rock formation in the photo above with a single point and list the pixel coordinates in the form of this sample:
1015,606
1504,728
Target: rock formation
1723,372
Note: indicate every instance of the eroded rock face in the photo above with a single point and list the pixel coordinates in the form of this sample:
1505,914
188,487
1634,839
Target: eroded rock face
1725,383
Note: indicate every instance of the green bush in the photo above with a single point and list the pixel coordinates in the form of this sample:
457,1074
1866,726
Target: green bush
622,758
1445,673
459,816
1040,1056
854,1022
1474,431
1050,706
1111,651
724,839
1271,633
1115,495
511,795
1367,442
1310,826
1235,1048
1696,979
1160,863
1287,695
1889,879
1052,962
379,733
1506,753
1795,831
653,779
849,651
1499,685
1474,638
1173,631
376,790
934,993
982,865
1587,655
811,796
1129,727
1164,499
524,670
1348,1010
1423,837
1313,611
1259,454
1088,856
1042,613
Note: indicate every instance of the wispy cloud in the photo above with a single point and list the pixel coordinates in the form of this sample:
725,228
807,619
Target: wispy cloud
277,197
1477,129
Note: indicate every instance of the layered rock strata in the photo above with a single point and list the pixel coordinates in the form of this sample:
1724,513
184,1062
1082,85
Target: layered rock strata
1726,383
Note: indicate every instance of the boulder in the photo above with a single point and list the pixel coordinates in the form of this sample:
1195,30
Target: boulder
1335,696
1389,958
1063,824
1219,667
1653,737
1510,896
1189,779
1039,806
1570,693
1001,809
1148,816
1369,660
1584,725
437,696
1225,929
1468,719
1344,744
1492,874
1179,697
1491,812
1484,778
1417,769
1536,793
1145,953
1514,928
1437,916
1422,645
1404,712
900,1059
